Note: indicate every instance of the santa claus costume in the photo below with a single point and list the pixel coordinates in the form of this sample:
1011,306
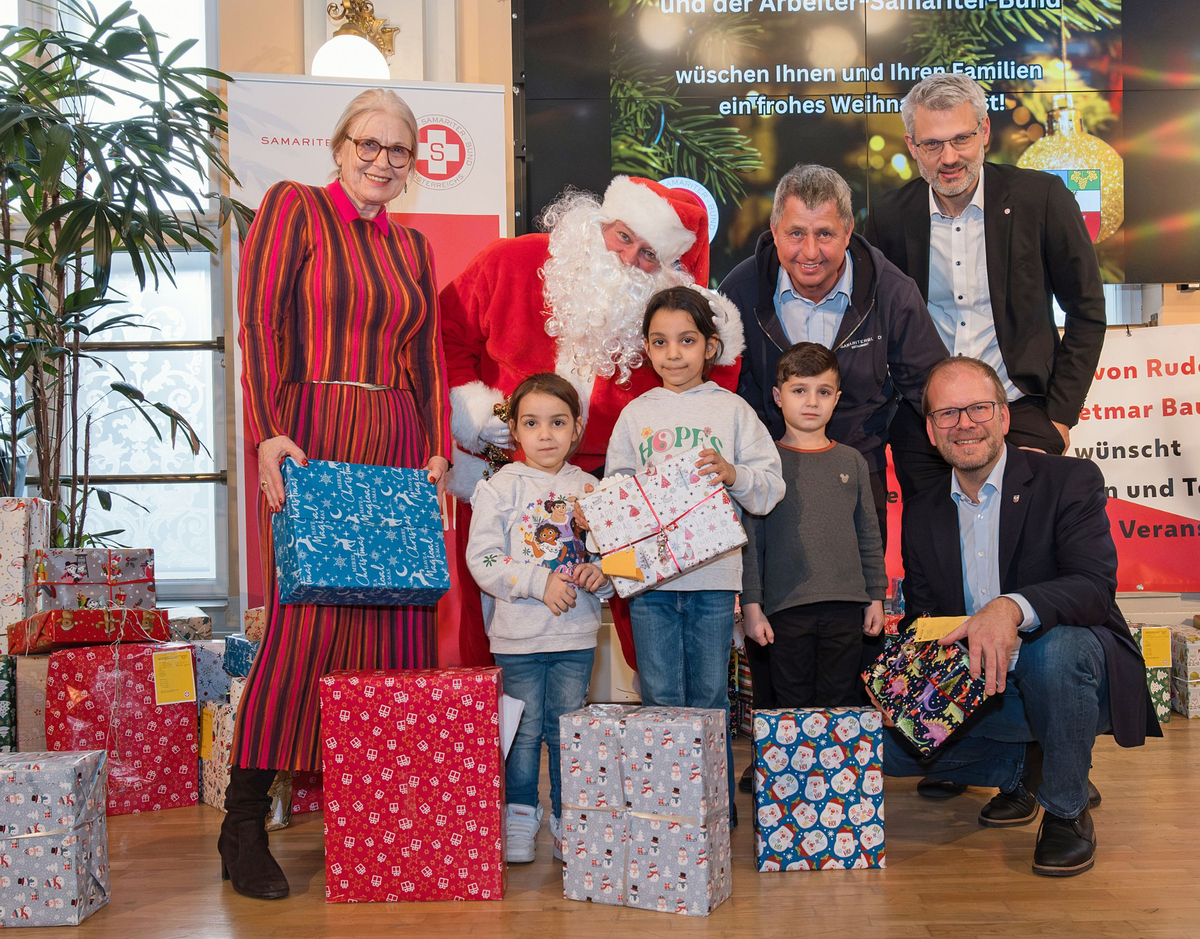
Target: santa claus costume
562,302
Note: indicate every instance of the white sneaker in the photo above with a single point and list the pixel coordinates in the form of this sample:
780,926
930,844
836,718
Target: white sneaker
556,834
521,826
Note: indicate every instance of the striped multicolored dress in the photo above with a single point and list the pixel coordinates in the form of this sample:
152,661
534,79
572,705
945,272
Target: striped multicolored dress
327,297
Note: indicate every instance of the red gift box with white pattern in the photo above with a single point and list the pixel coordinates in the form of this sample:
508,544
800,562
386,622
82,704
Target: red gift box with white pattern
102,698
413,784
306,793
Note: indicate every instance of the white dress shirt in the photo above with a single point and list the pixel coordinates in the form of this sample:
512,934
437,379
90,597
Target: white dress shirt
960,301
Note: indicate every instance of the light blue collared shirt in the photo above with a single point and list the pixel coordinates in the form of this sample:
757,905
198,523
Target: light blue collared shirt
960,299
805,321
979,544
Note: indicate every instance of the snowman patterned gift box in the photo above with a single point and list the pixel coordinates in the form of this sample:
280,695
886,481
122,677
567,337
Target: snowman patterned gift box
138,700
594,824
818,789
53,838
662,522
350,533
414,785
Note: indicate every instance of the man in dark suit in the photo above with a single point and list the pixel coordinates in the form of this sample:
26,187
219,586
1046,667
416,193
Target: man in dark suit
1019,543
991,247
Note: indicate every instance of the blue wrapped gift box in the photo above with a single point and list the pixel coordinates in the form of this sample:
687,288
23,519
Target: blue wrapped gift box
355,534
239,655
818,789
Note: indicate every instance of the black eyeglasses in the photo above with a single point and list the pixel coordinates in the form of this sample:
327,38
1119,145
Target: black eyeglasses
368,149
980,413
959,143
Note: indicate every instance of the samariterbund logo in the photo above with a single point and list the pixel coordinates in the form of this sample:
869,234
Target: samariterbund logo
445,152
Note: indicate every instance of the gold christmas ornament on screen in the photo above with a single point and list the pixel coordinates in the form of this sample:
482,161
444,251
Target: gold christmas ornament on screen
1092,170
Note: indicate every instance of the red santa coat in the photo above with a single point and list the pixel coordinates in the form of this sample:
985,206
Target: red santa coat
494,337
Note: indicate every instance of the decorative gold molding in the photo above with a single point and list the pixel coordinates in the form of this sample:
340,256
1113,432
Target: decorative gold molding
361,21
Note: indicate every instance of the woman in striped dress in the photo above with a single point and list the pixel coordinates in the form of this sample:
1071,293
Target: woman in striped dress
342,361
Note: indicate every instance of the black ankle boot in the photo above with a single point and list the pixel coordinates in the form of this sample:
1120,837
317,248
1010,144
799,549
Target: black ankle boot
245,854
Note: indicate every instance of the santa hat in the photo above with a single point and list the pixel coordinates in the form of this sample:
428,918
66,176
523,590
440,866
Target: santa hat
673,221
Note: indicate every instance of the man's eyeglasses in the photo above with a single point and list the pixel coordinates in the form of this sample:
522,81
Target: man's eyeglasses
959,143
368,149
980,413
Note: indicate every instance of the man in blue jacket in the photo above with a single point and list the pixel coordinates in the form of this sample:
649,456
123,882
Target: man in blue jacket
813,279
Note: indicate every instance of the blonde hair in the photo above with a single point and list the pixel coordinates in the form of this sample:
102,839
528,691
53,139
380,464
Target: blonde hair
373,99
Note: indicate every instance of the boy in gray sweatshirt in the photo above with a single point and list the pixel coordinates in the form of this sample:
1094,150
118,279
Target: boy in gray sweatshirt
813,577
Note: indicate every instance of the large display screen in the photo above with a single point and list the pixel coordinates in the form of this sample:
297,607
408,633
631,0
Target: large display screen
726,95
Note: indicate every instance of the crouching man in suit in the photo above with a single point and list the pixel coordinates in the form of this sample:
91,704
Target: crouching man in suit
1019,542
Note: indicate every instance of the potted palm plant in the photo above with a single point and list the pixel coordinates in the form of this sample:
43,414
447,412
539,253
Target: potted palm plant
109,145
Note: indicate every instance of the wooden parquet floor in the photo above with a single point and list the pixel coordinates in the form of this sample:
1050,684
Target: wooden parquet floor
947,877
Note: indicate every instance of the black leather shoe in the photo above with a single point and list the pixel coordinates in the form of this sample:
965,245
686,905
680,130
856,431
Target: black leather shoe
940,788
746,783
1009,809
1093,795
246,860
1065,846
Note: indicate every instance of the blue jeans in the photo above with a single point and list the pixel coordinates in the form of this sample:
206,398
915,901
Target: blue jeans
551,684
682,639
1058,696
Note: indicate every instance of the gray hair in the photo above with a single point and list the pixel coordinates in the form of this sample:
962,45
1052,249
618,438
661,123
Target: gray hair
814,185
382,100
943,92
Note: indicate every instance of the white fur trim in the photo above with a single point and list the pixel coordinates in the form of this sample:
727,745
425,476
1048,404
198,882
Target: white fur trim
563,366
729,325
464,475
649,215
470,410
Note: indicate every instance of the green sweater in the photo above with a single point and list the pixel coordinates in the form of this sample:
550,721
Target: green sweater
822,541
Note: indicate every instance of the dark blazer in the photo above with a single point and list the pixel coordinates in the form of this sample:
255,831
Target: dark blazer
1055,549
1038,249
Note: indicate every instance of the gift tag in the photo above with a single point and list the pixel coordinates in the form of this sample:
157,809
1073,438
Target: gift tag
933,628
174,680
622,564
1156,646
206,734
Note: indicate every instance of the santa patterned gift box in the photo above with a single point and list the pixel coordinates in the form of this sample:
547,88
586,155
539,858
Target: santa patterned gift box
352,534
1156,645
212,681
189,623
254,623
53,838
239,655
1185,697
414,785
8,704
818,789
307,795
57,629
645,808
662,522
31,702
92,579
925,689
216,743
1185,653
138,700
24,529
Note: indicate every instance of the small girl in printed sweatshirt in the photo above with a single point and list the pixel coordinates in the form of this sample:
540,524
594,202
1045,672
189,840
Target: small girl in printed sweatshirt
683,629
541,594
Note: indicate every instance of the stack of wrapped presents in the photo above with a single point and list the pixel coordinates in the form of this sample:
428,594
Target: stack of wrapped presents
645,818
1185,670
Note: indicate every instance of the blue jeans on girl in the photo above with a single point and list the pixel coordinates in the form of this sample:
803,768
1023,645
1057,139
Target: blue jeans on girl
551,684
683,638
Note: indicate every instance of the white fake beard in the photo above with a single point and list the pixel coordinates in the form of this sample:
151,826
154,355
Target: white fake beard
596,301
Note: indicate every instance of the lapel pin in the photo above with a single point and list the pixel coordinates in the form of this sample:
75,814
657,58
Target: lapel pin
1016,498
1008,211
